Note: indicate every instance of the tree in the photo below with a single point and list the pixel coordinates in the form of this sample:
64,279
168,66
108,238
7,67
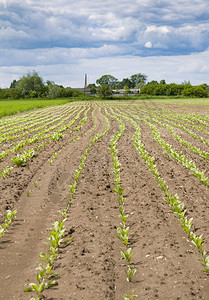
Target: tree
153,82
13,84
31,83
194,91
162,81
107,80
49,82
92,88
54,91
124,82
126,90
186,83
104,91
137,78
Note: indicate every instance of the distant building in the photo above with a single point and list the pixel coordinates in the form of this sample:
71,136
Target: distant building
130,91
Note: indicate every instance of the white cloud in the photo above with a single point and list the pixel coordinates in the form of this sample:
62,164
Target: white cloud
160,29
98,37
171,68
148,44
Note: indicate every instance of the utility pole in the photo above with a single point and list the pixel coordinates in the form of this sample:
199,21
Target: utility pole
85,85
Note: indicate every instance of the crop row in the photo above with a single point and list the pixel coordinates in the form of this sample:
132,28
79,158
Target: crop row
22,159
123,228
58,229
176,205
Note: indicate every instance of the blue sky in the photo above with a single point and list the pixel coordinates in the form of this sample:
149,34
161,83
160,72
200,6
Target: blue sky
62,40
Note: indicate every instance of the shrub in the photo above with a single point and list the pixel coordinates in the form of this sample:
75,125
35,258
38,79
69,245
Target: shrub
195,91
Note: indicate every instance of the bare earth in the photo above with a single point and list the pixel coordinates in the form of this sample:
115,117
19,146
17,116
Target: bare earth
90,267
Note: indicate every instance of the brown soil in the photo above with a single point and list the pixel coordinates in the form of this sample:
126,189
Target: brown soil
90,267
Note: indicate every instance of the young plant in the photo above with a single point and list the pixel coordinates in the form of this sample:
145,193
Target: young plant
123,234
6,171
130,273
127,255
39,288
126,297
54,155
22,160
9,217
28,193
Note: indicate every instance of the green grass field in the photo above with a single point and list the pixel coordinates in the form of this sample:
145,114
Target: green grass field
11,107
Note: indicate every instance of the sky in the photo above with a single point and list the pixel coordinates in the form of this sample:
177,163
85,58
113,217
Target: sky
64,40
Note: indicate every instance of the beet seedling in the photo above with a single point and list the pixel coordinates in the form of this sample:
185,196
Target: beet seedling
28,193
9,217
46,259
197,240
127,255
126,297
54,155
5,171
39,289
123,234
22,160
130,273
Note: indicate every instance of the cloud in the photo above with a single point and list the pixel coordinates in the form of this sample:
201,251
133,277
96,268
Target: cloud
148,45
191,67
77,36
38,24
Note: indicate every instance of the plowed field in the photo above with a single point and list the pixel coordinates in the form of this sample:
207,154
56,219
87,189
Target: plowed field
126,178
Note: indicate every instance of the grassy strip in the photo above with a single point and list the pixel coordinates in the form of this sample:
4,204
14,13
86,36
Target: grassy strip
11,107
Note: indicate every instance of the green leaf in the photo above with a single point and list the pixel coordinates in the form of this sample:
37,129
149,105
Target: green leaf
51,283
30,289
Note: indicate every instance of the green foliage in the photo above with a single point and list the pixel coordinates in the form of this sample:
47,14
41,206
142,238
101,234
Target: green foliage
9,217
135,81
13,93
31,83
195,91
125,82
22,160
109,80
137,78
126,88
56,91
12,107
154,88
13,84
126,297
92,88
4,172
104,91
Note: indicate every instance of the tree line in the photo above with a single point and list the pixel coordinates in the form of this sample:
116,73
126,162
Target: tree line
153,88
33,86
184,89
